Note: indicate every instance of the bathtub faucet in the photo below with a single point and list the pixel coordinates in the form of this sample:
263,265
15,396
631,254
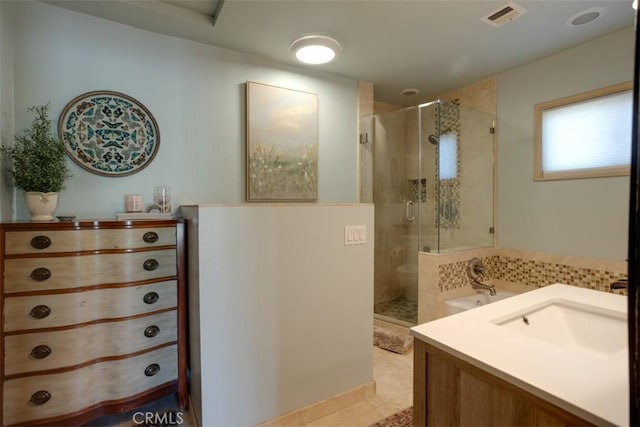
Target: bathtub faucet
619,284
479,285
475,270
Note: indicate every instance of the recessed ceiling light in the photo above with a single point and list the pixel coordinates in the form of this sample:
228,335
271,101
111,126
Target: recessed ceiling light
315,49
410,91
586,16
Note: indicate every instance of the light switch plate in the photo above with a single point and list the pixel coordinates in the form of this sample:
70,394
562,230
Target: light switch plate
355,235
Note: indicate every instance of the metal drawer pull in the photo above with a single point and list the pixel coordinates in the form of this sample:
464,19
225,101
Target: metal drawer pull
40,274
151,331
40,352
151,298
152,369
40,312
151,264
40,397
40,242
150,237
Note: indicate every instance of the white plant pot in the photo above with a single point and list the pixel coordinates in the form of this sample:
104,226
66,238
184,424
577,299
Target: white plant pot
41,205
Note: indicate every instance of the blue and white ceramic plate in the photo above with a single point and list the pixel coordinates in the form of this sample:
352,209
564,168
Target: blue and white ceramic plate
109,133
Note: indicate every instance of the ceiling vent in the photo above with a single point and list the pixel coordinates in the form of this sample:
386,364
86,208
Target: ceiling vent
504,14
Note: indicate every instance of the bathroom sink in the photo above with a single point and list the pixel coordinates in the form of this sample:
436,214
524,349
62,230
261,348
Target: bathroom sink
571,325
566,345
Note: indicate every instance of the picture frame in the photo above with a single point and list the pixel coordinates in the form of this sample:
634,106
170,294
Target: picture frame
281,144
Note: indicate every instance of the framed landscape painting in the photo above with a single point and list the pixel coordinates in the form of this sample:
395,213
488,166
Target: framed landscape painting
282,144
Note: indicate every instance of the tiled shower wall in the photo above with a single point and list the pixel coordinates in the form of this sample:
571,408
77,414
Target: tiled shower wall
443,276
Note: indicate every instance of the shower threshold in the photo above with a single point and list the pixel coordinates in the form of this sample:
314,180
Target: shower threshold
400,311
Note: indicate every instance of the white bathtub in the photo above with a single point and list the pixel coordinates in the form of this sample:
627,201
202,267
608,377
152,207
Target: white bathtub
478,299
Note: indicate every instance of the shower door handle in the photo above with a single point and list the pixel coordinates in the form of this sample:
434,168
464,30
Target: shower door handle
409,211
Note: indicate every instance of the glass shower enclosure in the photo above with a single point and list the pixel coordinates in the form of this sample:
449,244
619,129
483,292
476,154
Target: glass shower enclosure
429,170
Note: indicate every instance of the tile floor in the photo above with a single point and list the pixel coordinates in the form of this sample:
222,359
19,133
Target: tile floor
392,372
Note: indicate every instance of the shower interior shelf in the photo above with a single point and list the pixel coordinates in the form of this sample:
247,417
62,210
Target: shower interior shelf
422,196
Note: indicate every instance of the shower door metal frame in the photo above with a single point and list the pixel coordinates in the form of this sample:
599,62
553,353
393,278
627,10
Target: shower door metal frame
421,142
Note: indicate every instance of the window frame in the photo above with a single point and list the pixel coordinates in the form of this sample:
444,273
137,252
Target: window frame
538,174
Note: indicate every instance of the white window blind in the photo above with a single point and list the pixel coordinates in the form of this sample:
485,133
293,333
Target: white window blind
587,136
448,156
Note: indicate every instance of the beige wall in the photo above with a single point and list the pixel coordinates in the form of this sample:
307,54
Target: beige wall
479,96
383,107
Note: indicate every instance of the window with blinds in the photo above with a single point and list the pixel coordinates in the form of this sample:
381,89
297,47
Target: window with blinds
448,156
584,136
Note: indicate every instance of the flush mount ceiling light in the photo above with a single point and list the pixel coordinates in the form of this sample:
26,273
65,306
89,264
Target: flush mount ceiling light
586,16
315,49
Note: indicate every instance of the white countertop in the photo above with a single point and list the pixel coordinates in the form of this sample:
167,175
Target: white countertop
592,386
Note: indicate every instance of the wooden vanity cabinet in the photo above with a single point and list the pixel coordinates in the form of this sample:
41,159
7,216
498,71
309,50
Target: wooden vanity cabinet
448,391
93,318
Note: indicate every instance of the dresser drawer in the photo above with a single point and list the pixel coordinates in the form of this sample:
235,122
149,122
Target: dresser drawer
47,241
62,272
21,313
70,347
73,391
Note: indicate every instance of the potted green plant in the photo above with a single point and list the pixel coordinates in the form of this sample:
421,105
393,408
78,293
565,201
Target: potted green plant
38,165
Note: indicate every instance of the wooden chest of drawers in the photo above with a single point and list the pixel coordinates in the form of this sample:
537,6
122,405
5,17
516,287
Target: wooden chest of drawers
93,318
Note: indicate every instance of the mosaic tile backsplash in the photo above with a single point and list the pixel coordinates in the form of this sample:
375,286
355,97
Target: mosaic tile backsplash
528,272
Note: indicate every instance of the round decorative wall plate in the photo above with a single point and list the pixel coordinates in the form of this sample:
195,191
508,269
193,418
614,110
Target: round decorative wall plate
109,133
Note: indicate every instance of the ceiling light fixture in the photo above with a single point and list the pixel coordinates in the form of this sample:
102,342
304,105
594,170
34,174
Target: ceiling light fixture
409,91
315,49
586,16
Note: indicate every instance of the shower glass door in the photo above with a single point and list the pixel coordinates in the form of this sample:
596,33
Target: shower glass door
428,183
459,170
429,172
396,189
398,193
